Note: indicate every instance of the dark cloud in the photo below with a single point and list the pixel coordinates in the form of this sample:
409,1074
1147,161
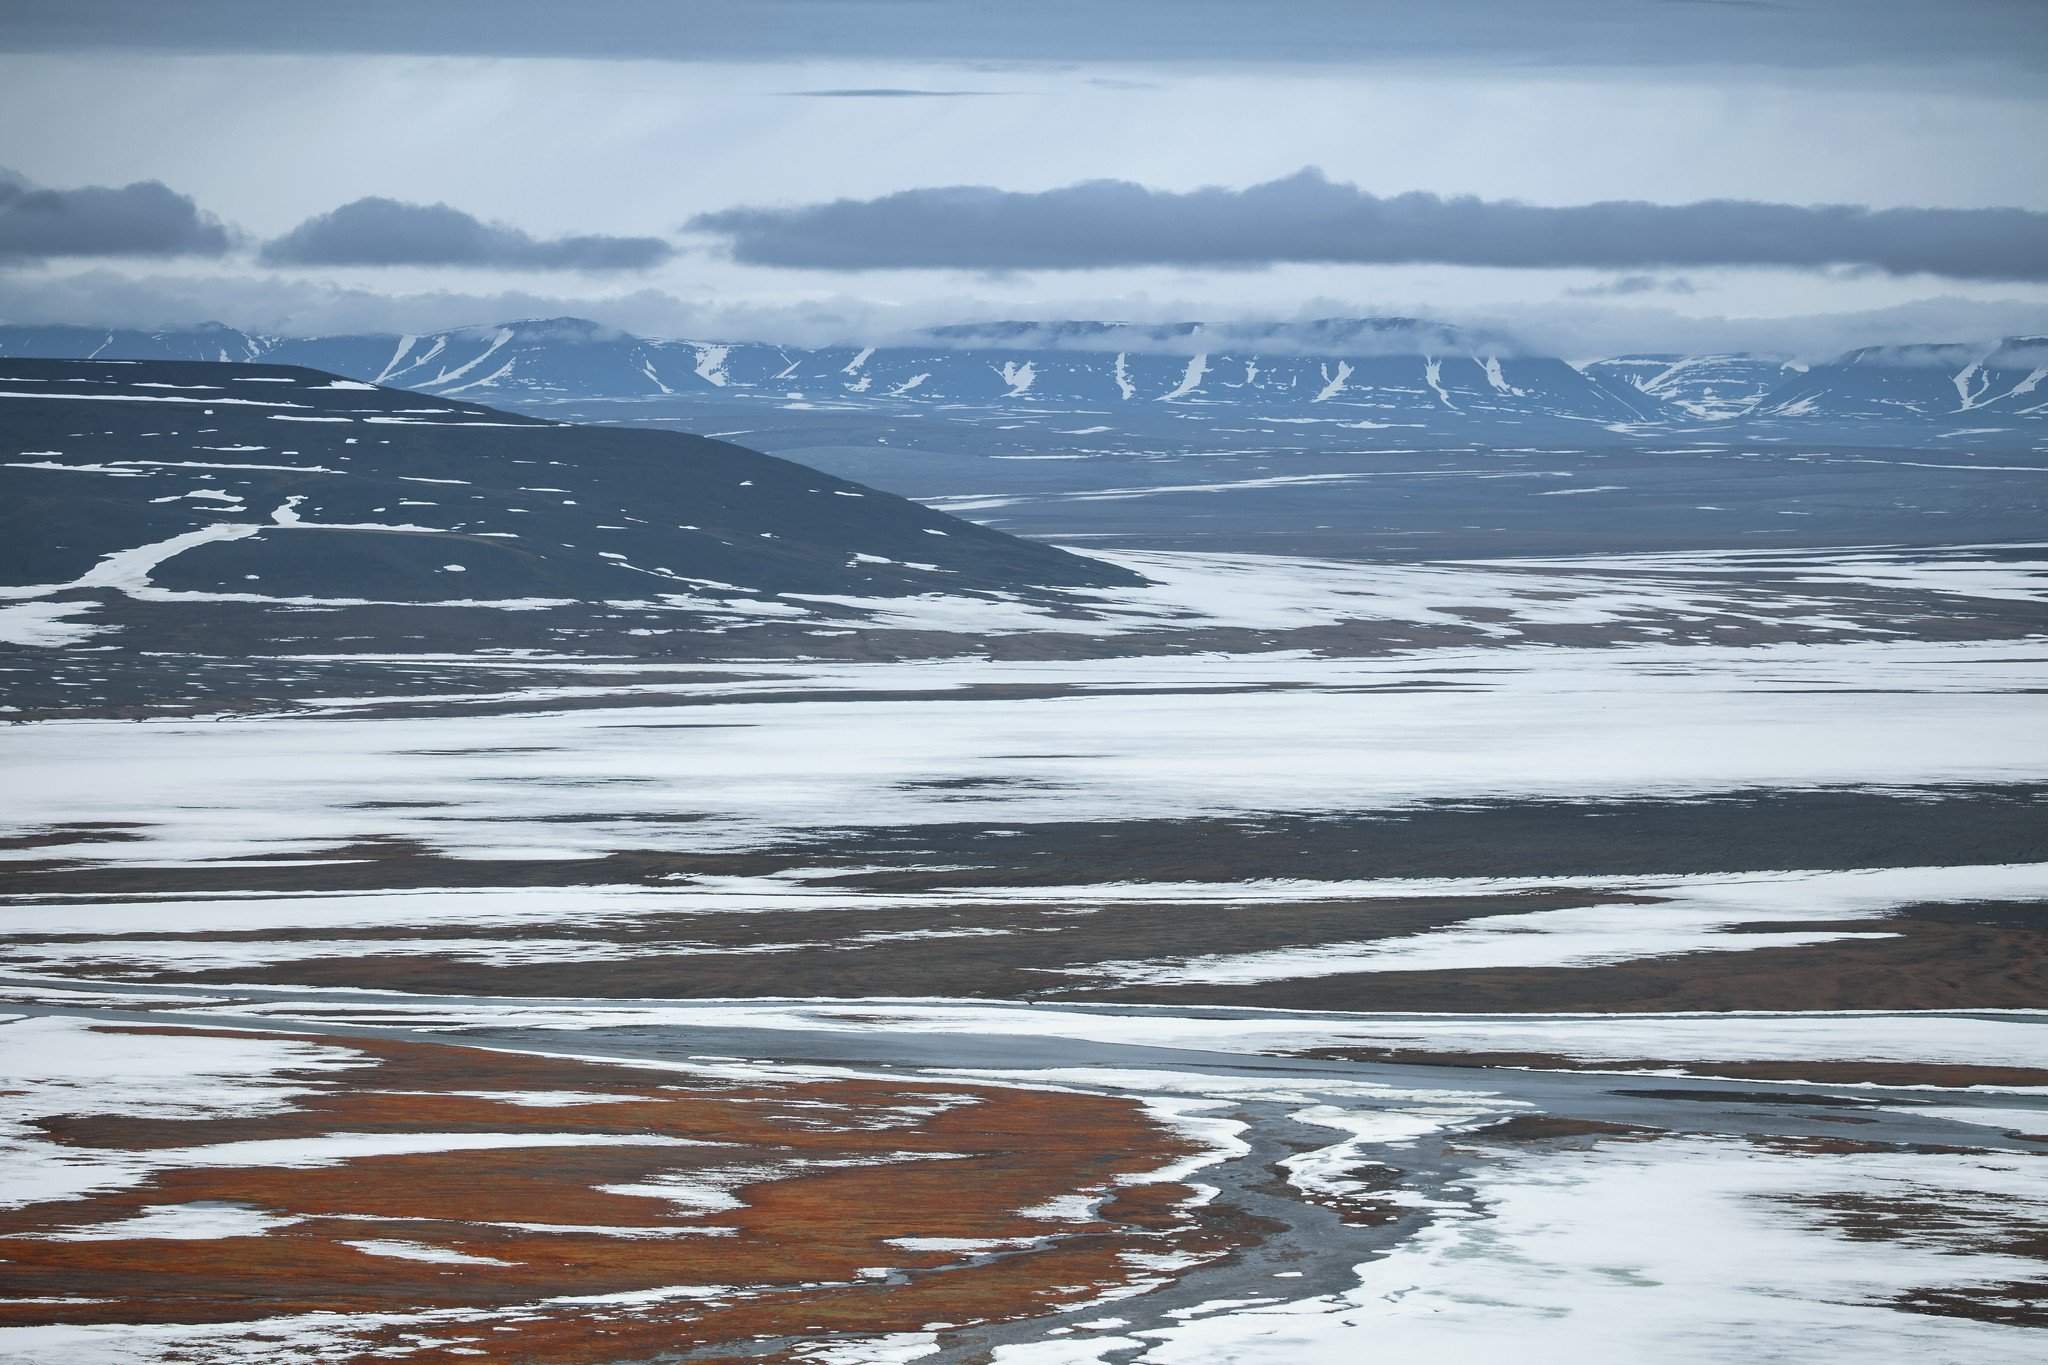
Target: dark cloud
1623,286
1308,218
1891,41
147,218
377,231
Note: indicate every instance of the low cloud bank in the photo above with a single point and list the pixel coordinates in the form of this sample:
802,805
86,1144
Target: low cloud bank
1306,217
147,218
376,231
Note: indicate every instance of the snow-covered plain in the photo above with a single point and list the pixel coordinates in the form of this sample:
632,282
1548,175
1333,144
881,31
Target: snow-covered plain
1664,917
2015,1038
1567,1258
1544,1254
1497,598
1168,738
1554,1255
1693,914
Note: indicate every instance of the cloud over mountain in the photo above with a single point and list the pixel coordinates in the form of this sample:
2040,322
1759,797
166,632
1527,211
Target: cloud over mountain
377,231
1306,217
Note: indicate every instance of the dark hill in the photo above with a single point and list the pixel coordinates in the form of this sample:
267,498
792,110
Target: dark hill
293,483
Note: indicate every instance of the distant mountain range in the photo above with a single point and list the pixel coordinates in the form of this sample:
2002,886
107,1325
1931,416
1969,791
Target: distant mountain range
1970,385
1371,370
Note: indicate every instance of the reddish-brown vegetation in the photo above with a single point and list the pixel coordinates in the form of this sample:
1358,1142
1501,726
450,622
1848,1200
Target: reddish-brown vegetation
843,1166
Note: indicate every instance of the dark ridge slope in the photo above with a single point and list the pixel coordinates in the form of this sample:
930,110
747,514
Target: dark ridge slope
294,483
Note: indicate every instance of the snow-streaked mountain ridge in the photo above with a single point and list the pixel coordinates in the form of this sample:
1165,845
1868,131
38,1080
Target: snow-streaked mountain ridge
1373,371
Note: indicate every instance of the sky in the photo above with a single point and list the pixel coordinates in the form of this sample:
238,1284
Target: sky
1593,176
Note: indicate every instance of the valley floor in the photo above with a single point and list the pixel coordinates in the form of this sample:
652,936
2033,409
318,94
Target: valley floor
1593,959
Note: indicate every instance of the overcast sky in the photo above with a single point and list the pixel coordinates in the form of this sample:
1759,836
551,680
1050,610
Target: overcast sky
1593,174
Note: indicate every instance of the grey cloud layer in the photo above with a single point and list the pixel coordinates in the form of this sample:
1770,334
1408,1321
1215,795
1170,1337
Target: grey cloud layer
1308,218
144,219
151,219
377,231
1909,41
